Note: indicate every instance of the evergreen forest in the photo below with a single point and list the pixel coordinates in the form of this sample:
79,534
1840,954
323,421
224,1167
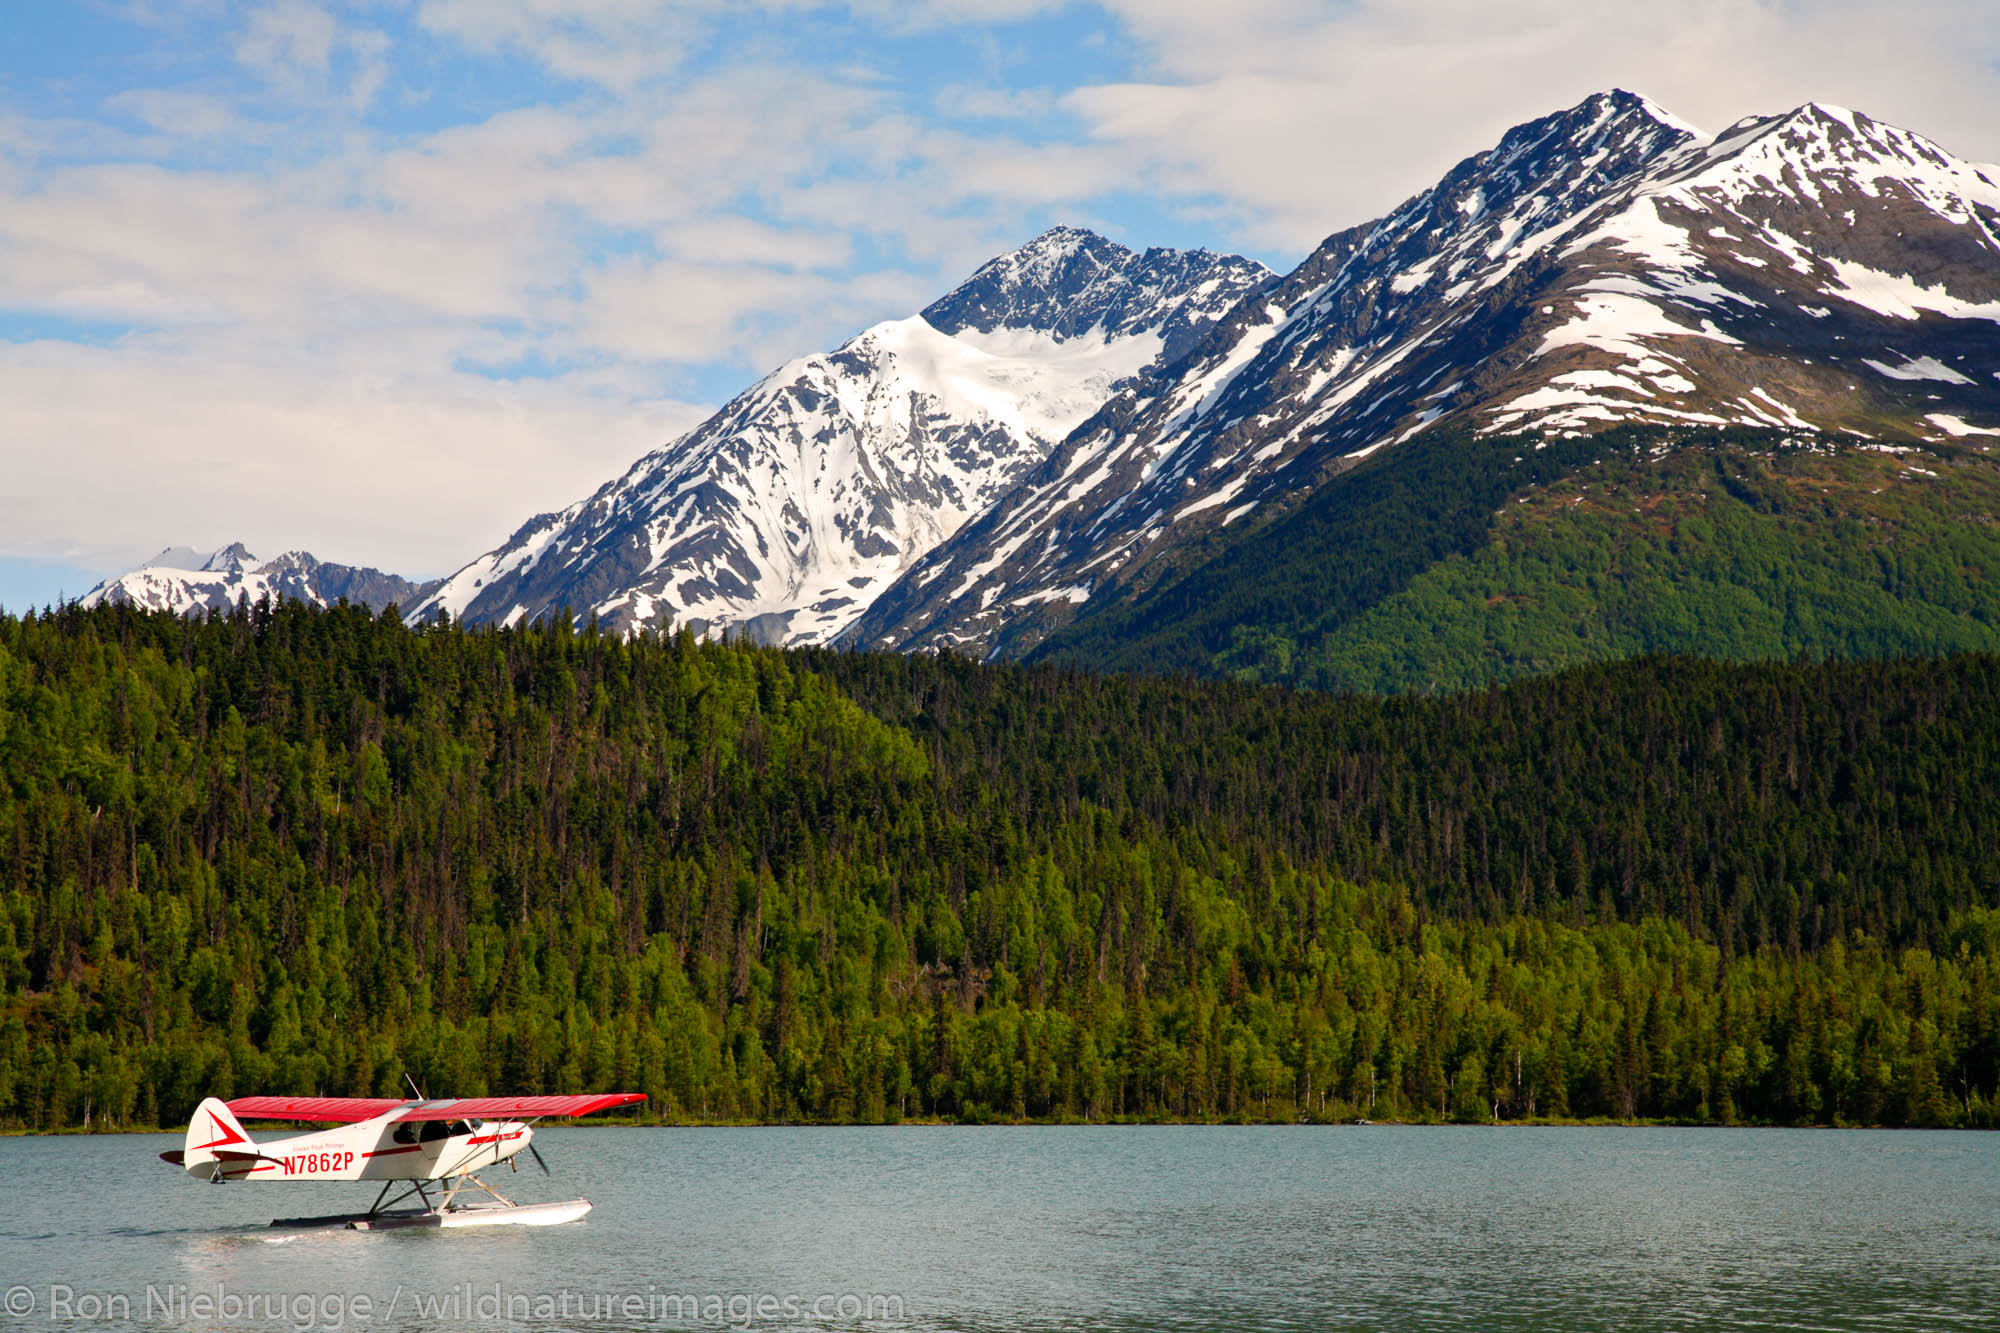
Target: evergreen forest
286,850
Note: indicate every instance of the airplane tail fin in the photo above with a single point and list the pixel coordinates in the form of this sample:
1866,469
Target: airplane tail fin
213,1127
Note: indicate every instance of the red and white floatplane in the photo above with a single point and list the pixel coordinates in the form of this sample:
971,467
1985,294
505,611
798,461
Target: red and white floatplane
440,1142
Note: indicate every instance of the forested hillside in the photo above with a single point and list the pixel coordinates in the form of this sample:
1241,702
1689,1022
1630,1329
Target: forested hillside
287,850
1453,561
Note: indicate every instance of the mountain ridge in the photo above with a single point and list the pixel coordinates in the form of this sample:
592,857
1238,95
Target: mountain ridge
186,581
1078,435
1576,275
783,514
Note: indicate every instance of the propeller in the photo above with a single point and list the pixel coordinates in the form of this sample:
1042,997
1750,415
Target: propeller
536,1153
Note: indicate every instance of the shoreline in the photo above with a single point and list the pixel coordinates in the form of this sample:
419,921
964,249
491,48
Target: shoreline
77,1131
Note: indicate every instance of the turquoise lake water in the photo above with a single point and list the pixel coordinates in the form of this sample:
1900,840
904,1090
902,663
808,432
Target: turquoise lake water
1355,1227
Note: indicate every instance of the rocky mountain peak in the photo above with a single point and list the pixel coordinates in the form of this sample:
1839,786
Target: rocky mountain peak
176,557
1540,173
232,558
1069,282
788,511
1820,137
1028,287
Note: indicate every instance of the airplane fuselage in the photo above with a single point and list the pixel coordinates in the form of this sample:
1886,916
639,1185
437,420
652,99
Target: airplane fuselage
384,1148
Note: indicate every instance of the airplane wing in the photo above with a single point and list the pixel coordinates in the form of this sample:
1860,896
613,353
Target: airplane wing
342,1110
348,1110
498,1108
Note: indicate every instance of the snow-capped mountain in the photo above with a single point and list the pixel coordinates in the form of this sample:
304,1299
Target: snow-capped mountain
184,580
785,514
1816,270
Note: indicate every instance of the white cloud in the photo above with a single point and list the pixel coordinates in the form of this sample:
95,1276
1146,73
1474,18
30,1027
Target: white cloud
287,41
974,102
621,44
295,48
371,66
1307,117
732,240
668,310
616,43
178,112
304,381
922,15
114,452
306,311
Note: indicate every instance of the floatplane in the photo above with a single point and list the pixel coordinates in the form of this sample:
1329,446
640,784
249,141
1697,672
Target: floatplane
439,1142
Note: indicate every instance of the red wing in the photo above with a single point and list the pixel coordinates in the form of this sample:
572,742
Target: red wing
347,1110
343,1110
495,1108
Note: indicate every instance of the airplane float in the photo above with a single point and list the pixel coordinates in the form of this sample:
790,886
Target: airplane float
417,1142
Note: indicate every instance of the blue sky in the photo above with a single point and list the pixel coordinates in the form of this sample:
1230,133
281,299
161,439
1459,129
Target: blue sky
383,278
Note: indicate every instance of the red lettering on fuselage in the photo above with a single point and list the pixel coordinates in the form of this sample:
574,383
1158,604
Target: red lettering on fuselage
318,1163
